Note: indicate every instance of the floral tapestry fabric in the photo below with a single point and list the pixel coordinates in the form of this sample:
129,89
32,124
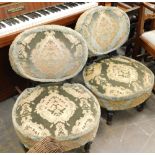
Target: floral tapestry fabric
68,112
119,82
105,29
48,53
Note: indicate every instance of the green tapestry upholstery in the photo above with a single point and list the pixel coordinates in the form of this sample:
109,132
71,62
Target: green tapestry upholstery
119,82
48,53
105,29
69,113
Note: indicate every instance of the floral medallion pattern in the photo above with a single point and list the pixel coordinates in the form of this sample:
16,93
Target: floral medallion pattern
48,53
104,29
118,78
63,112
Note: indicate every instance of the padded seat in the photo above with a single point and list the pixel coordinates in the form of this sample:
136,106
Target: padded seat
69,113
148,38
119,82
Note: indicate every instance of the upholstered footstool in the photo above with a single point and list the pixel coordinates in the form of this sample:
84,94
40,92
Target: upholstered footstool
119,82
68,113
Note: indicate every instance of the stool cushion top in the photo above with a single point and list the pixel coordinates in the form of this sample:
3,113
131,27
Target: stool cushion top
104,28
149,37
63,112
118,78
48,53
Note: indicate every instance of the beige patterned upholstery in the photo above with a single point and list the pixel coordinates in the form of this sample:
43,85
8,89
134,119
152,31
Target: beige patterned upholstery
48,53
68,113
104,28
119,82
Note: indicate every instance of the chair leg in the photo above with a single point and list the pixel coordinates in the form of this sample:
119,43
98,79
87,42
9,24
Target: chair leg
140,107
24,148
109,117
87,147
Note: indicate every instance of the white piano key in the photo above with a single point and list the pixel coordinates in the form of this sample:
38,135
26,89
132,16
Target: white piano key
45,18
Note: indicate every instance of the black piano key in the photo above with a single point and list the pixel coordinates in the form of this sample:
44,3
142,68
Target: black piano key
30,15
22,18
12,21
16,20
43,12
69,4
80,3
53,9
74,4
62,7
36,14
26,18
2,25
8,22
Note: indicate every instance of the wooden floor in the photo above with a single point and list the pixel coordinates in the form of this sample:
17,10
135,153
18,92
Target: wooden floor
131,131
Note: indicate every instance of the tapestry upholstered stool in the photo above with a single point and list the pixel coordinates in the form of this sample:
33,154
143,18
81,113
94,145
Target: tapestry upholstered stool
68,113
119,82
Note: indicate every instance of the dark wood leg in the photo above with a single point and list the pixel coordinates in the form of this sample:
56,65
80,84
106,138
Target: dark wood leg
24,148
109,117
87,147
140,107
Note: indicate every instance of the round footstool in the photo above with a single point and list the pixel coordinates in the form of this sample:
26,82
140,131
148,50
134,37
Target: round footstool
119,82
69,113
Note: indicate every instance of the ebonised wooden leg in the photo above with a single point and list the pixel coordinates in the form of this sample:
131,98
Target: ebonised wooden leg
109,117
87,147
24,148
140,107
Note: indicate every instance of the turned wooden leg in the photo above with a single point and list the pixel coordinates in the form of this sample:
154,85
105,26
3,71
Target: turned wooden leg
87,147
109,117
140,107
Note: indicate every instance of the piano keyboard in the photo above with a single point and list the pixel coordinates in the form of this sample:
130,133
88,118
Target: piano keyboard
39,17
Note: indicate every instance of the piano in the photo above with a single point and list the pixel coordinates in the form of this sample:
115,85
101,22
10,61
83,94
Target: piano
16,17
